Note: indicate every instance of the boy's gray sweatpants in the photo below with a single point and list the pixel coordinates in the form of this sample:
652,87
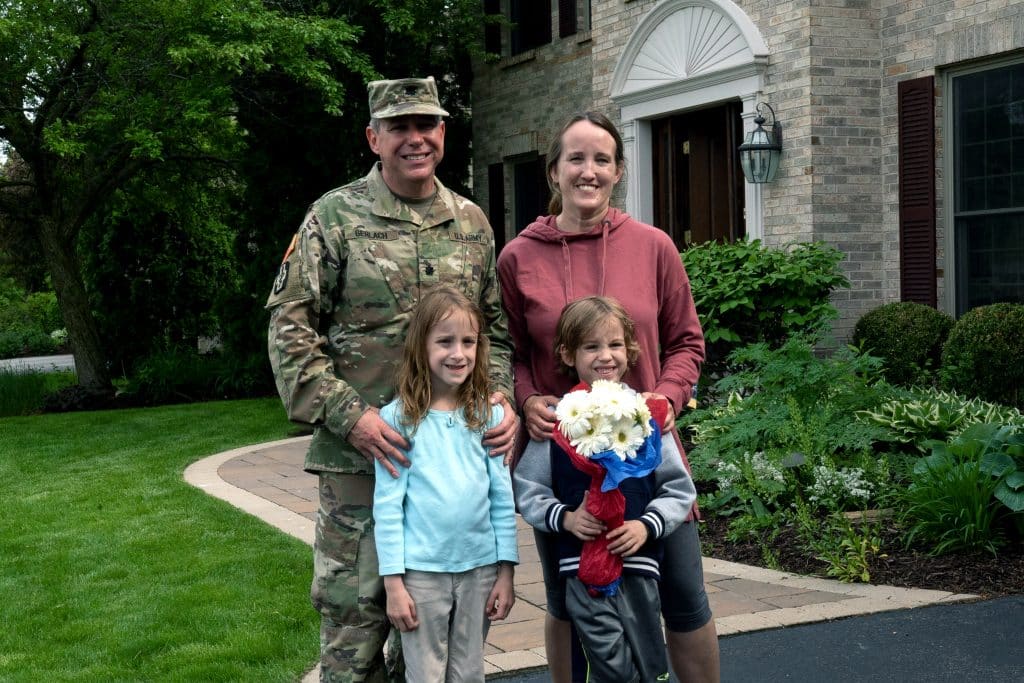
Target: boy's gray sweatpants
621,634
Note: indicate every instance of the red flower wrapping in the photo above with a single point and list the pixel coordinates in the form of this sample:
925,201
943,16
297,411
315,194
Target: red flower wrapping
600,570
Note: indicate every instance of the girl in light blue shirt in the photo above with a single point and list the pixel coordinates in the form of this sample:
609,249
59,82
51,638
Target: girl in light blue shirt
445,526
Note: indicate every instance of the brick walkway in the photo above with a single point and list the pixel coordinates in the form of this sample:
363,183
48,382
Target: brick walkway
268,480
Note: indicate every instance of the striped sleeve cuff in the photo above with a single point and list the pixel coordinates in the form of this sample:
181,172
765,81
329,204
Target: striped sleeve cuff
554,517
654,522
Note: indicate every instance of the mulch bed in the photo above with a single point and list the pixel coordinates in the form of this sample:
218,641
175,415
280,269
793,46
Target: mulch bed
979,573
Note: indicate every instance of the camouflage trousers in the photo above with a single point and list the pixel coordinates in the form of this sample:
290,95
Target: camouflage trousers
347,589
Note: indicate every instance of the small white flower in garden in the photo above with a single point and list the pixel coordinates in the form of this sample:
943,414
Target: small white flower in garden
765,468
728,472
835,485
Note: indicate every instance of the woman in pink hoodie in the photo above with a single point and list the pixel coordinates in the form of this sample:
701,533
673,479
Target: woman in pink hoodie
586,247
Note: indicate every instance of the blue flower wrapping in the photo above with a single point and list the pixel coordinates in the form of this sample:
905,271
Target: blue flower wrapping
648,457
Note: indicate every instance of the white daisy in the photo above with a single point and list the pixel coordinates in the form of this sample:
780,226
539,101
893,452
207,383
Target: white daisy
574,412
626,437
615,399
594,440
643,415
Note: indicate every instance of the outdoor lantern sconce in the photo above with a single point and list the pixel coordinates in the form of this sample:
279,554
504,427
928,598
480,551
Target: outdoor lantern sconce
761,149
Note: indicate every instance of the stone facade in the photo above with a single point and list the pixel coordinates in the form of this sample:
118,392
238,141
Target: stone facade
829,69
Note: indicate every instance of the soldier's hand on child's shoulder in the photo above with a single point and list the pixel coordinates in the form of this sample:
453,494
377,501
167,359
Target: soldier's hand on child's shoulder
627,539
377,440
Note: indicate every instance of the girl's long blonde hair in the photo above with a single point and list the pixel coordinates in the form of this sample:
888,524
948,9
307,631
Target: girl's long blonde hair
414,371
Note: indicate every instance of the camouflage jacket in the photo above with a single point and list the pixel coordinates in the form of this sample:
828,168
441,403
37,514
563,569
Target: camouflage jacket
341,303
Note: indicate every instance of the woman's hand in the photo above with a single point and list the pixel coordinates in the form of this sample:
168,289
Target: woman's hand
670,416
627,539
539,413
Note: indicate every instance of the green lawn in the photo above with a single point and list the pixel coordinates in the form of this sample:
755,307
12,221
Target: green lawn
112,568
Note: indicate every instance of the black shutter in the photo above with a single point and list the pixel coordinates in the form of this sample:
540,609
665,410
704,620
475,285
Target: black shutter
542,27
492,31
566,18
496,203
917,190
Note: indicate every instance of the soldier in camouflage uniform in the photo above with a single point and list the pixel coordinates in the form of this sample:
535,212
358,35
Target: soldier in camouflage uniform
340,307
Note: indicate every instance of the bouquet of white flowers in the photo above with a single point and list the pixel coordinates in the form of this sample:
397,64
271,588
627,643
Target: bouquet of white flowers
609,417
610,433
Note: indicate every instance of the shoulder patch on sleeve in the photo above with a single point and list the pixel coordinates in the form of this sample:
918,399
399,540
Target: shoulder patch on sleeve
287,285
282,278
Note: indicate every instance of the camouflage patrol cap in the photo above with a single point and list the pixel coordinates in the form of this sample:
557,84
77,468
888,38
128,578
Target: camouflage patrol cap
404,96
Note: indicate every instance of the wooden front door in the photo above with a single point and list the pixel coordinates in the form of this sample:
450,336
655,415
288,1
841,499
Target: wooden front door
698,182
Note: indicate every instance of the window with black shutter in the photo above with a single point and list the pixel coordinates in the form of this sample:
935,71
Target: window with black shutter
917,190
531,24
492,29
566,18
531,192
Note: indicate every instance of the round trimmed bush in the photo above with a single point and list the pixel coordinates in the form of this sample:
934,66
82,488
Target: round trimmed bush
984,354
908,336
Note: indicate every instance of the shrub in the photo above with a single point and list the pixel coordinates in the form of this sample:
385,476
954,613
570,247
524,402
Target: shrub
982,356
908,336
173,376
746,293
26,321
961,495
788,429
43,310
184,375
25,341
793,399
245,375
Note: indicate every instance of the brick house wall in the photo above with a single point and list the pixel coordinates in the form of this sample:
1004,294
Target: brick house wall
832,72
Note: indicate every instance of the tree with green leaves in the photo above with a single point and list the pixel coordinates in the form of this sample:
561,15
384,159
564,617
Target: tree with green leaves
161,153
300,152
98,94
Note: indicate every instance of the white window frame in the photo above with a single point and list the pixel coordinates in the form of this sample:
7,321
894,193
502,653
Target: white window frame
950,274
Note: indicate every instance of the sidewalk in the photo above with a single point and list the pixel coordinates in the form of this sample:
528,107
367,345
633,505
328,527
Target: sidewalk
267,480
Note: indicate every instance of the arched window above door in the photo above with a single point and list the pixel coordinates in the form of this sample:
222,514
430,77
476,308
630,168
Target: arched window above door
682,40
686,55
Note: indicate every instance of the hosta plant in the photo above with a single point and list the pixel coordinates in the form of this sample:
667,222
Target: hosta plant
964,496
929,414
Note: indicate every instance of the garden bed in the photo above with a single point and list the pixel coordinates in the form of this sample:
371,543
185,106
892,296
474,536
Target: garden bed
978,573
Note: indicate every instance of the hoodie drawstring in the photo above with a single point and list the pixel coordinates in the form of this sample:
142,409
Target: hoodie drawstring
568,290
605,227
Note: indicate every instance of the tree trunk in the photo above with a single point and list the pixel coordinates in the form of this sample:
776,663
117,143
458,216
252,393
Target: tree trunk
83,332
